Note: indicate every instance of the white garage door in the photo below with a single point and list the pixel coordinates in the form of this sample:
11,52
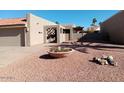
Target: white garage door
12,37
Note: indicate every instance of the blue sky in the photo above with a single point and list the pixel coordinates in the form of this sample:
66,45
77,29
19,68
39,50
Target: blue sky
77,17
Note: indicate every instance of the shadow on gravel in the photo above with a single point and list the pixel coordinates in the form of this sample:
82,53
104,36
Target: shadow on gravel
103,46
94,62
46,56
82,49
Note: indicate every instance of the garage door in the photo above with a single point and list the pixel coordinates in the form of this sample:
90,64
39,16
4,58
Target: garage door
12,37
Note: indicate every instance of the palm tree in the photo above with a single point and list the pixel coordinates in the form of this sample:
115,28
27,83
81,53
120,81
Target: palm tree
82,39
94,22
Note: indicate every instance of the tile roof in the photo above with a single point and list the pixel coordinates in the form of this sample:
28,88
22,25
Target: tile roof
12,21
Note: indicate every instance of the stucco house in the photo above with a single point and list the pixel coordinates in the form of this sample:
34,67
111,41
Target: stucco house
93,28
114,28
32,30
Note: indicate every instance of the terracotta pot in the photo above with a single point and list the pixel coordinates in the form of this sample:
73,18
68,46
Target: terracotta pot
59,54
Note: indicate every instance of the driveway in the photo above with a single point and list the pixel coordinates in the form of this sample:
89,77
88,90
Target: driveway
10,54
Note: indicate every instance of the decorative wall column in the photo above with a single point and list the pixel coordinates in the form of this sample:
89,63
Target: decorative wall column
45,36
71,33
25,36
58,34
27,30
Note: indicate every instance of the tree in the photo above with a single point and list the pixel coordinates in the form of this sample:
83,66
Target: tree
94,22
100,23
57,22
82,39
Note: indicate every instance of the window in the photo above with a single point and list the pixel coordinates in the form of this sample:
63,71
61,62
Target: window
66,31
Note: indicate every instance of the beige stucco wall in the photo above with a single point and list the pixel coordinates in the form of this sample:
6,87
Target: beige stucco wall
67,36
77,36
12,37
62,38
61,35
36,29
114,26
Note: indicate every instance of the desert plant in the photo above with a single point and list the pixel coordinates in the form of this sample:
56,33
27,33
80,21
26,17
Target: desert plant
60,49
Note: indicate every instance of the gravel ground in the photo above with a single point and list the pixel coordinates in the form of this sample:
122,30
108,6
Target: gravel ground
76,67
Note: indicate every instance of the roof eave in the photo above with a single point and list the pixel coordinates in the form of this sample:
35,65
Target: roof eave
13,26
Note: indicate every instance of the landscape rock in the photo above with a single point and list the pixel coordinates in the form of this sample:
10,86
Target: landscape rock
104,62
104,57
110,58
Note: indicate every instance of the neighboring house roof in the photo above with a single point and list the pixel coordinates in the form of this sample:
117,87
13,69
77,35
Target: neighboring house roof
12,21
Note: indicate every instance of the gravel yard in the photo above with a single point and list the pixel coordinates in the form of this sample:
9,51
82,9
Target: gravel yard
76,67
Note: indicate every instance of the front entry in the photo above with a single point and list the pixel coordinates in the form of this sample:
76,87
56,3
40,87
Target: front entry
51,35
67,34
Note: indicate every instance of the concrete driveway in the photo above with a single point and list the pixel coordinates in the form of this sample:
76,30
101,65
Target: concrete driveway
13,54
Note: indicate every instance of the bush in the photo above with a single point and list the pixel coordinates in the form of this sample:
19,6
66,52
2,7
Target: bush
90,31
60,49
93,31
